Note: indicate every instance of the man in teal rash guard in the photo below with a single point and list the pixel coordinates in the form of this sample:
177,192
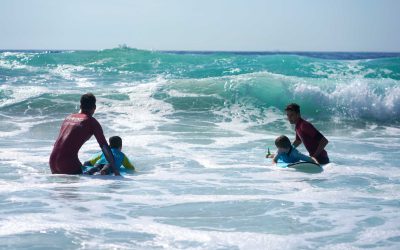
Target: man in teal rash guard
75,131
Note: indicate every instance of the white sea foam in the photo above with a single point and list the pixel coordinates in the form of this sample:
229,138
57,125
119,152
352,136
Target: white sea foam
7,63
202,179
357,98
167,236
18,94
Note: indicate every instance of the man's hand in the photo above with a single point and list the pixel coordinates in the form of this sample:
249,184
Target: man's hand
110,158
104,170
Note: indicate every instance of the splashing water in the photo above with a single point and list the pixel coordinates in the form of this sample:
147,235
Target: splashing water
197,126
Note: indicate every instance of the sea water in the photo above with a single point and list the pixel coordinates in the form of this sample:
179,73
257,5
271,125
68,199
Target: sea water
197,127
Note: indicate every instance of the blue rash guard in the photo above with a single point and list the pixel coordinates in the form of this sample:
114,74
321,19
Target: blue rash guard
292,156
118,158
99,160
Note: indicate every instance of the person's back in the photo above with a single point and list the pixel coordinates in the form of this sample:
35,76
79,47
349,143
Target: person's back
118,158
75,131
287,153
307,134
292,156
310,137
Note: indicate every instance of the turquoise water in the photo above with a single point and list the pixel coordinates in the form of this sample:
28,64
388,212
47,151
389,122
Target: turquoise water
197,126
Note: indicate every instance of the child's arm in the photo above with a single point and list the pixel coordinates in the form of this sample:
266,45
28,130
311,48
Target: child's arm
94,169
303,157
275,159
127,164
93,160
269,155
87,163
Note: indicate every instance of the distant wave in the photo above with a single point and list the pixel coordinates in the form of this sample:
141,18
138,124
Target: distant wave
366,89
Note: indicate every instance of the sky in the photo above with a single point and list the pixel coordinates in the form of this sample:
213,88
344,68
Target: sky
205,25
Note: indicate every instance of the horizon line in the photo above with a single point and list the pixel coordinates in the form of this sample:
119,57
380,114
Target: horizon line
212,51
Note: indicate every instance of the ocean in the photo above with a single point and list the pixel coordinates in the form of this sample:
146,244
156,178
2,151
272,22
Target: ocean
197,126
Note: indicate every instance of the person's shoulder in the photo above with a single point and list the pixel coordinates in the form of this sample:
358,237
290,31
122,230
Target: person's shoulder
297,153
93,121
92,124
73,115
76,118
303,121
305,124
123,154
295,150
116,150
279,155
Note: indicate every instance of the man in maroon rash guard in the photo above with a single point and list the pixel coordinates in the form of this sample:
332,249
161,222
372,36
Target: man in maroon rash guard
75,131
307,134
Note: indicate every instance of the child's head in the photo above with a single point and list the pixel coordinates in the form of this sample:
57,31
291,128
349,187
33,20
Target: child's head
283,142
115,142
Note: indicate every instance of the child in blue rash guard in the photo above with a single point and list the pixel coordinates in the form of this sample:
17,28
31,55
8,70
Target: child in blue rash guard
288,154
101,164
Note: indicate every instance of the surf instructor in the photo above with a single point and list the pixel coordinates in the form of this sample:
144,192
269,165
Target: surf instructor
307,134
75,131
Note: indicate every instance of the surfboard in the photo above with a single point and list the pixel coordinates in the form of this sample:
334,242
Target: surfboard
122,171
306,167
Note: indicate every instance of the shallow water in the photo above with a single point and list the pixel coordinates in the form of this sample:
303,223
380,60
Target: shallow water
197,127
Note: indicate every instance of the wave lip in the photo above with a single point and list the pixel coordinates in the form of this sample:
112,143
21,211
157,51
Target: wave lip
347,99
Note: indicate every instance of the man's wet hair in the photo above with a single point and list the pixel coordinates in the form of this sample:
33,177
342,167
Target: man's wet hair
282,142
88,101
293,107
115,142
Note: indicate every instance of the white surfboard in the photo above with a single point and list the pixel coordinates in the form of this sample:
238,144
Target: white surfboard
306,167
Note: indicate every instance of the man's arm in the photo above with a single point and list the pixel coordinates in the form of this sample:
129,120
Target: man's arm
322,143
296,143
303,157
98,133
110,158
312,132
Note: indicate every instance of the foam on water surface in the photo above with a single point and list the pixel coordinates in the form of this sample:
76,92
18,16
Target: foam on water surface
197,128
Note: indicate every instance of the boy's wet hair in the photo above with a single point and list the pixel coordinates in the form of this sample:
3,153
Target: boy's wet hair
293,107
88,101
282,142
115,142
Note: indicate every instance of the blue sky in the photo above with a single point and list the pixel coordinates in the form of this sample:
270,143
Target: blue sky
235,25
